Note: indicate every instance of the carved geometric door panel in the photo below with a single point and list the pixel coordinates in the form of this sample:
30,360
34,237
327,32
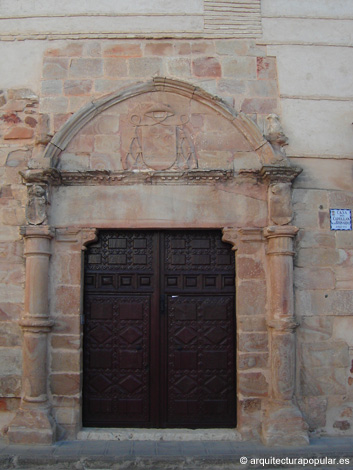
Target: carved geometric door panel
159,339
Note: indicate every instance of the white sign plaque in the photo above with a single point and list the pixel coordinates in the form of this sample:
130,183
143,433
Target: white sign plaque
341,219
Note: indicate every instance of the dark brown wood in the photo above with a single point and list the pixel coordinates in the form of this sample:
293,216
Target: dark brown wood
159,332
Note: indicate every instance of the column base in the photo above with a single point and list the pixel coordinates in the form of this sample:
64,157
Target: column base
32,426
283,425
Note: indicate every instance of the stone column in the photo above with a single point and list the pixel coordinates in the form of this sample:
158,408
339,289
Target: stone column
33,423
283,423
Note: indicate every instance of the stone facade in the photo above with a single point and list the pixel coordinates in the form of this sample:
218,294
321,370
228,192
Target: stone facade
86,132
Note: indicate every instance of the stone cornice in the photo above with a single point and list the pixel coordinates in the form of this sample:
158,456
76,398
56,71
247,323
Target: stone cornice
279,174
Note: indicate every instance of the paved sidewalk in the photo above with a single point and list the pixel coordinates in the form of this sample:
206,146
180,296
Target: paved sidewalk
188,455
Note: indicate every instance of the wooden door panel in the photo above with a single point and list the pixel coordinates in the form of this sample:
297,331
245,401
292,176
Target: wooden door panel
159,330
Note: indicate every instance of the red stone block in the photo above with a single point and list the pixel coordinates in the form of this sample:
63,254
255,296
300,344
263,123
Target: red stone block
123,50
159,48
31,121
19,133
266,68
206,67
73,49
10,118
259,105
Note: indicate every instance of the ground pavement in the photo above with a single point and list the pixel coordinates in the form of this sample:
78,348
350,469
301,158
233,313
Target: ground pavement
174,455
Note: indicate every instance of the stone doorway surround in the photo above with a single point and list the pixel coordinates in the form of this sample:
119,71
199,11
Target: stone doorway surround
103,169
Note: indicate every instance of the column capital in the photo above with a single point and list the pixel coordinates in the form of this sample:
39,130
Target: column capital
37,231
276,231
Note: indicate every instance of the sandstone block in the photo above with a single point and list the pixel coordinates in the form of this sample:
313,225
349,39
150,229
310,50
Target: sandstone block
21,94
30,121
77,87
179,67
314,411
206,67
316,257
182,48
240,68
107,86
233,46
123,50
10,385
253,342
86,68
54,105
253,361
342,329
19,133
55,68
263,88
72,49
67,300
248,268
314,278
259,105
64,361
92,49
68,270
324,354
10,311
251,405
159,48
10,361
72,342
67,324
66,416
315,329
115,67
252,384
52,87
319,381
231,86
103,124
18,158
142,67
266,68
344,239
77,102
338,303
107,144
251,323
315,239
10,334
254,290
79,162
65,384
202,47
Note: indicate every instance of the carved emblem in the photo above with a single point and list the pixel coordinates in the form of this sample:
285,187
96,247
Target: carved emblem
161,141
36,209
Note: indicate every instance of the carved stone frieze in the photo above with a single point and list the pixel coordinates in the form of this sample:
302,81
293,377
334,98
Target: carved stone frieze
98,177
279,174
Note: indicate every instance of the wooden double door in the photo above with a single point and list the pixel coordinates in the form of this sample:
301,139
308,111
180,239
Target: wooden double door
159,330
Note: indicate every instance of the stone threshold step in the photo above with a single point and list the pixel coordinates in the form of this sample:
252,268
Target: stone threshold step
133,434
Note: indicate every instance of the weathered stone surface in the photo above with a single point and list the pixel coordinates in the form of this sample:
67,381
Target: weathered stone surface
10,385
314,411
71,342
65,384
253,342
77,87
322,381
10,334
315,329
55,68
206,67
314,278
253,361
86,68
324,302
11,360
19,133
67,300
252,384
249,268
324,354
255,290
342,329
65,361
252,323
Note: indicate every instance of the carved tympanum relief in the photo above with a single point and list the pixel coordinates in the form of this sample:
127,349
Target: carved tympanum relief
161,141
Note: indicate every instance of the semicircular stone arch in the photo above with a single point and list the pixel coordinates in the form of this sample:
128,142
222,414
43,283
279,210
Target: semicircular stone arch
119,132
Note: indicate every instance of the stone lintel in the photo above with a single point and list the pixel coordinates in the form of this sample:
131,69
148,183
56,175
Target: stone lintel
75,235
41,176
